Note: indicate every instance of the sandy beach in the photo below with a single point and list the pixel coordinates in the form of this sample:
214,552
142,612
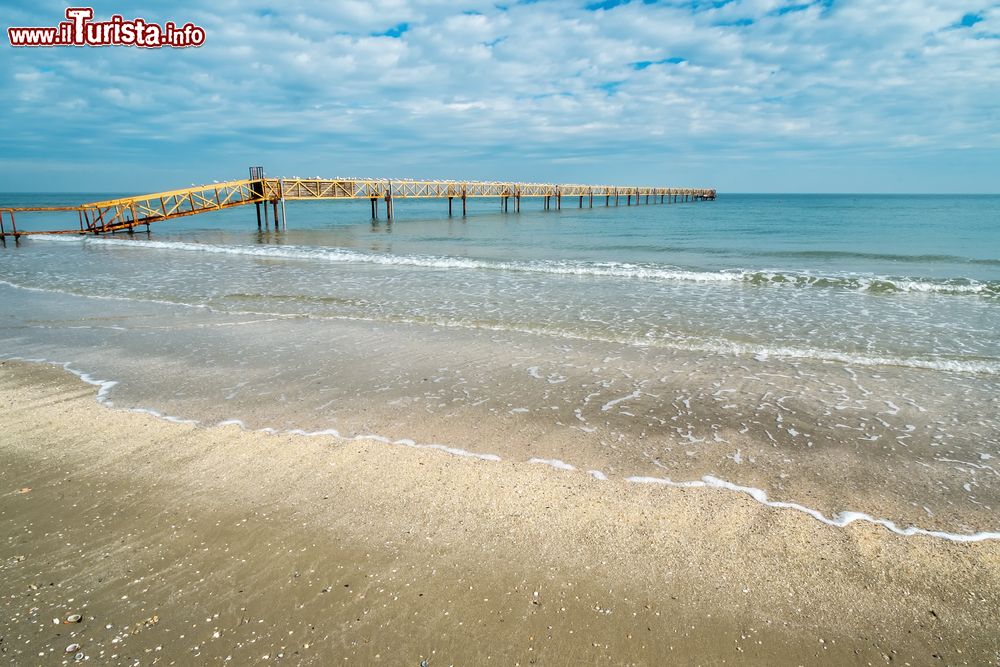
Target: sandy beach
443,334
184,545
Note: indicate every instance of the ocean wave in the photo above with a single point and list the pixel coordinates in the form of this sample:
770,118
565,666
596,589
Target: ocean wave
878,256
760,353
626,270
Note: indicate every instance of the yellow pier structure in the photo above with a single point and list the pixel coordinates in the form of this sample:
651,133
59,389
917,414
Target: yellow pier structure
127,213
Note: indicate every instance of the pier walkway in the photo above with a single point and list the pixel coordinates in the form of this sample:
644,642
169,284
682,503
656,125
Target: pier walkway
127,213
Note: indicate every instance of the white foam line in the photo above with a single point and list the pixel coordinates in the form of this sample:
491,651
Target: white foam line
105,386
406,442
105,297
841,520
159,415
450,450
598,475
555,463
612,403
775,277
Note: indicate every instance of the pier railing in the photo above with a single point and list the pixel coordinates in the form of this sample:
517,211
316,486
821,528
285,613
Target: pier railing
126,213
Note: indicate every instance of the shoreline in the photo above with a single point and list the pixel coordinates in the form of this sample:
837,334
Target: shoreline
516,562
839,519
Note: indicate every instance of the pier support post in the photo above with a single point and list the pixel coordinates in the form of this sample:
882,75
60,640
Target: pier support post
464,198
558,201
281,193
591,198
256,193
388,201
449,206
517,201
374,208
581,201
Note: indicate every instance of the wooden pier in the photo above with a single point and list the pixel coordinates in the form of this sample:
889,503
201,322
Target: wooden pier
127,213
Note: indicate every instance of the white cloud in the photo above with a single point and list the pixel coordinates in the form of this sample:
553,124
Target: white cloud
544,81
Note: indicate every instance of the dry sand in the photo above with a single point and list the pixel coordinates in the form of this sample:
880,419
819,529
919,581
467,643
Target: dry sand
183,545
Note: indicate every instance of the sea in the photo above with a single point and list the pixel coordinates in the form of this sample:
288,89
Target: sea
837,355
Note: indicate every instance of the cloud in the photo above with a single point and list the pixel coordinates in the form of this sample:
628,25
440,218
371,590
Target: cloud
522,90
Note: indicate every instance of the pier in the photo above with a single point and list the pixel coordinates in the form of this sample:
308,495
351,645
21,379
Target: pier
268,195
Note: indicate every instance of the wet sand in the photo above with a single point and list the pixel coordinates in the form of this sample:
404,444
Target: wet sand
201,546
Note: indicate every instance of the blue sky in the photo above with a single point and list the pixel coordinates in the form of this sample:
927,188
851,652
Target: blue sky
746,96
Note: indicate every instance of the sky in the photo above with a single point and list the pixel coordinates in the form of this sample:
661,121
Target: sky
741,95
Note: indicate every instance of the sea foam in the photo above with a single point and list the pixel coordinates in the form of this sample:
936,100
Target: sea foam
841,520
760,353
630,270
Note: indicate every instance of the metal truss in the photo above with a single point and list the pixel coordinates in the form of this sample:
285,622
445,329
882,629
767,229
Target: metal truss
126,213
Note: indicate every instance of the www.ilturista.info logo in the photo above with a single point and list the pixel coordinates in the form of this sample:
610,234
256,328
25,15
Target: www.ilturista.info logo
80,30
